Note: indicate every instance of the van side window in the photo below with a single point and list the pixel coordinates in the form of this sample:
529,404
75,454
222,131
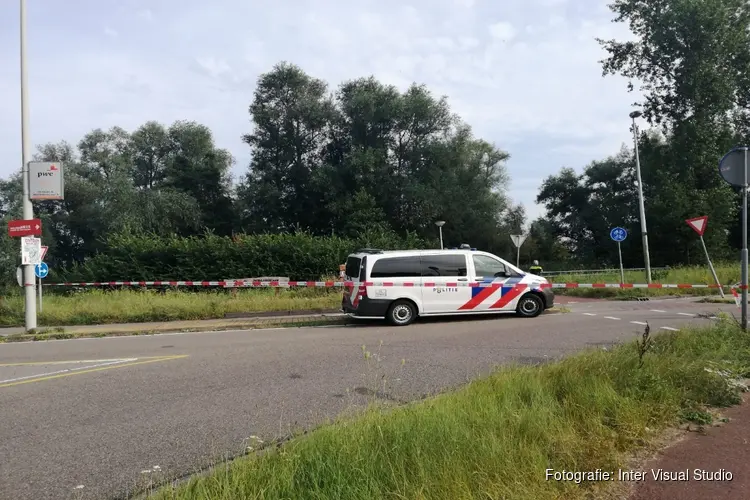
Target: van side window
487,267
396,267
444,265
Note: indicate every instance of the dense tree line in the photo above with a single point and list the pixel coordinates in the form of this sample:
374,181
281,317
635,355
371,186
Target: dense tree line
364,163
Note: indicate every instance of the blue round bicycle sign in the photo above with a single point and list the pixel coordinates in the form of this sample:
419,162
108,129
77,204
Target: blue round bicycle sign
618,234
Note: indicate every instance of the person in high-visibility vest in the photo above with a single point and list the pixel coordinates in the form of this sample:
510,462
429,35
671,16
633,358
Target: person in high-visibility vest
535,268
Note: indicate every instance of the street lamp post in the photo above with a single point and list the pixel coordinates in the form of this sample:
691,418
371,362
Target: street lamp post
29,280
440,224
642,210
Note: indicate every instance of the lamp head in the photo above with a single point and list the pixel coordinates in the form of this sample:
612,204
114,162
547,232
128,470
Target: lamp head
440,223
635,114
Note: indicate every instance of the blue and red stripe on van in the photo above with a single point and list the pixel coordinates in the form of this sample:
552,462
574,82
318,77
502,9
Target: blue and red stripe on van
510,289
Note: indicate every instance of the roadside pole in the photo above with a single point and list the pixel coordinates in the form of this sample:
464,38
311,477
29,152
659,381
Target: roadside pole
699,225
744,245
618,235
29,280
733,168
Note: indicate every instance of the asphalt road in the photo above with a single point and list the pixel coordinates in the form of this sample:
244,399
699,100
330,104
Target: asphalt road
98,412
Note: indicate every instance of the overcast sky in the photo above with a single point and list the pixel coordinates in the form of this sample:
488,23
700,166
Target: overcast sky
524,73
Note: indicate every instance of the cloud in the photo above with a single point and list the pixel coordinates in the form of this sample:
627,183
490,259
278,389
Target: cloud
146,14
523,73
502,31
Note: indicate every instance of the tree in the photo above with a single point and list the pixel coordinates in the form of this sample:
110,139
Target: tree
367,157
291,113
692,56
582,209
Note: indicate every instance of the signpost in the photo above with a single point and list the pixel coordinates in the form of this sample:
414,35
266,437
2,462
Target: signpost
41,271
31,251
46,181
518,240
733,168
699,225
619,234
21,228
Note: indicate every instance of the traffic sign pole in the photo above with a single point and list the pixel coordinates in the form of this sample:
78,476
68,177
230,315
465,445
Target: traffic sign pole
28,209
618,235
711,267
744,249
699,224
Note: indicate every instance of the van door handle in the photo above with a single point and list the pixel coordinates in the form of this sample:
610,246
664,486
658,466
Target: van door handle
463,279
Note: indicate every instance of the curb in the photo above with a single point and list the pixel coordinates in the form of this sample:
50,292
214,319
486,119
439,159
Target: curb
59,333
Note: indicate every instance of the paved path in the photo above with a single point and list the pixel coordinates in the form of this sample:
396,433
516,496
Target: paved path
716,463
96,412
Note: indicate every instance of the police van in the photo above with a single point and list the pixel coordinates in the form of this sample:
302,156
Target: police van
405,284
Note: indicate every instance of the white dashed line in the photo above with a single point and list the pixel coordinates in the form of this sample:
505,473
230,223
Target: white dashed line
657,311
611,317
639,323
589,314
686,314
670,328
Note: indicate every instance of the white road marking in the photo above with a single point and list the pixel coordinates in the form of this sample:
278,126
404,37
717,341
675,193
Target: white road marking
589,314
611,317
639,323
117,361
670,328
686,314
657,311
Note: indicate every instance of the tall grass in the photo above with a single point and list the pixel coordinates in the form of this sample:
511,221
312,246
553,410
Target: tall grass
134,306
728,274
496,437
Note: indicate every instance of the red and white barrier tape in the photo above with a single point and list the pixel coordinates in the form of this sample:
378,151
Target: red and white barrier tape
335,284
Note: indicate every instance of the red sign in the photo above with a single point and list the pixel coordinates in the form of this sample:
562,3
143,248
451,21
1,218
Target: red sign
44,252
21,228
698,224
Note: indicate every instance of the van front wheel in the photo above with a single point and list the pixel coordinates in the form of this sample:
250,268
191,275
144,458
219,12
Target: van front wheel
530,306
401,313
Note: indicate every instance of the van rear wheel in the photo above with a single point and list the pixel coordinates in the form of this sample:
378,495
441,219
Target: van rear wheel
401,313
530,306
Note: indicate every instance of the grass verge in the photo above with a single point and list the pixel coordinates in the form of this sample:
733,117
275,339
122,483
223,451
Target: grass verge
728,274
93,307
497,436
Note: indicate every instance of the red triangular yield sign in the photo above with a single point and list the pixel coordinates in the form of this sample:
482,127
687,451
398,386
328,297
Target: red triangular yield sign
44,252
698,224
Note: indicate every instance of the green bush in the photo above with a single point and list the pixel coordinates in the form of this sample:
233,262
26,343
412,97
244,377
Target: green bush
298,256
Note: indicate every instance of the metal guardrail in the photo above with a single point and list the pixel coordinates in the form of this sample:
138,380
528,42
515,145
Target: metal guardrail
613,270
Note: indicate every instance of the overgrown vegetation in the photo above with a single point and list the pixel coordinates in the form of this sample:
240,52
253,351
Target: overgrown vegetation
496,437
727,272
94,307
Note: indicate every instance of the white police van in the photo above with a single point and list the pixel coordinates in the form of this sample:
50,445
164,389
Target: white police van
402,285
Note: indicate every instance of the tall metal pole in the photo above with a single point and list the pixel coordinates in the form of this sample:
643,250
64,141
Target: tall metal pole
29,280
641,207
441,237
518,256
622,270
744,248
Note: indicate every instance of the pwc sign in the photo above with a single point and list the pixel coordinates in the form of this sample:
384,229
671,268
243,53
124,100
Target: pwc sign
46,181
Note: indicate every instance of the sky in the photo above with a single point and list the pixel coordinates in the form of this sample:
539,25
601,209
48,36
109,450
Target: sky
525,74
